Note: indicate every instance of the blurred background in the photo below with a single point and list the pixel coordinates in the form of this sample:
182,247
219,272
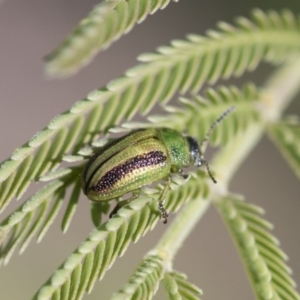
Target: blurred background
30,29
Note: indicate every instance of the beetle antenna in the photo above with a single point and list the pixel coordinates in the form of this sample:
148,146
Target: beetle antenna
214,125
207,136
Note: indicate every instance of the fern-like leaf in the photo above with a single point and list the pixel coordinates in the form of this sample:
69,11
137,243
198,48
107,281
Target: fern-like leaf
97,210
286,136
36,215
184,66
178,288
34,164
104,25
72,205
98,253
31,217
197,115
249,96
263,259
143,284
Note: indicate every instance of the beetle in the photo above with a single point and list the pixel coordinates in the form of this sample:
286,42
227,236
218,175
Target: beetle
141,157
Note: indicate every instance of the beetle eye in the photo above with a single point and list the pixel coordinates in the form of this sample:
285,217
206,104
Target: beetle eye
194,151
199,162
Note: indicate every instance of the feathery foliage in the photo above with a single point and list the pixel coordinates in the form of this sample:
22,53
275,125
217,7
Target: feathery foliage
209,111
15,228
37,214
104,25
260,252
112,238
34,164
197,114
143,284
286,136
178,288
183,66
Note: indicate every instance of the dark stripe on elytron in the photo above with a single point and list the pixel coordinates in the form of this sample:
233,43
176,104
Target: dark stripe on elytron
117,173
101,151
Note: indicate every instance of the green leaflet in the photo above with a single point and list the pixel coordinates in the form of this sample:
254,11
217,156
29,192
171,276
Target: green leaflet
41,157
260,252
104,25
178,288
37,214
286,136
197,114
31,217
144,282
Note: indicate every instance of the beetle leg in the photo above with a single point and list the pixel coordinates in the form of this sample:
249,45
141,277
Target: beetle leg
161,201
177,170
135,194
183,175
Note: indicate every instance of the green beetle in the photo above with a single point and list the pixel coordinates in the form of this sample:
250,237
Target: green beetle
141,157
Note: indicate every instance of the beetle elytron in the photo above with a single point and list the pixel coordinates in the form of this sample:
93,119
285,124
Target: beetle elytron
142,157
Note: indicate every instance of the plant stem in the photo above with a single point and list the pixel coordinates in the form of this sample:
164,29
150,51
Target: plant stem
279,90
180,228
277,93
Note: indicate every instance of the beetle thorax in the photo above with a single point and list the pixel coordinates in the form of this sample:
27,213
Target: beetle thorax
177,147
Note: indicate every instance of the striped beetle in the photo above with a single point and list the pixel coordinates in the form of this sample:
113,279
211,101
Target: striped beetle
142,157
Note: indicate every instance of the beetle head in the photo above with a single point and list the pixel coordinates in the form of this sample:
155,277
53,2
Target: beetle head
197,156
196,151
